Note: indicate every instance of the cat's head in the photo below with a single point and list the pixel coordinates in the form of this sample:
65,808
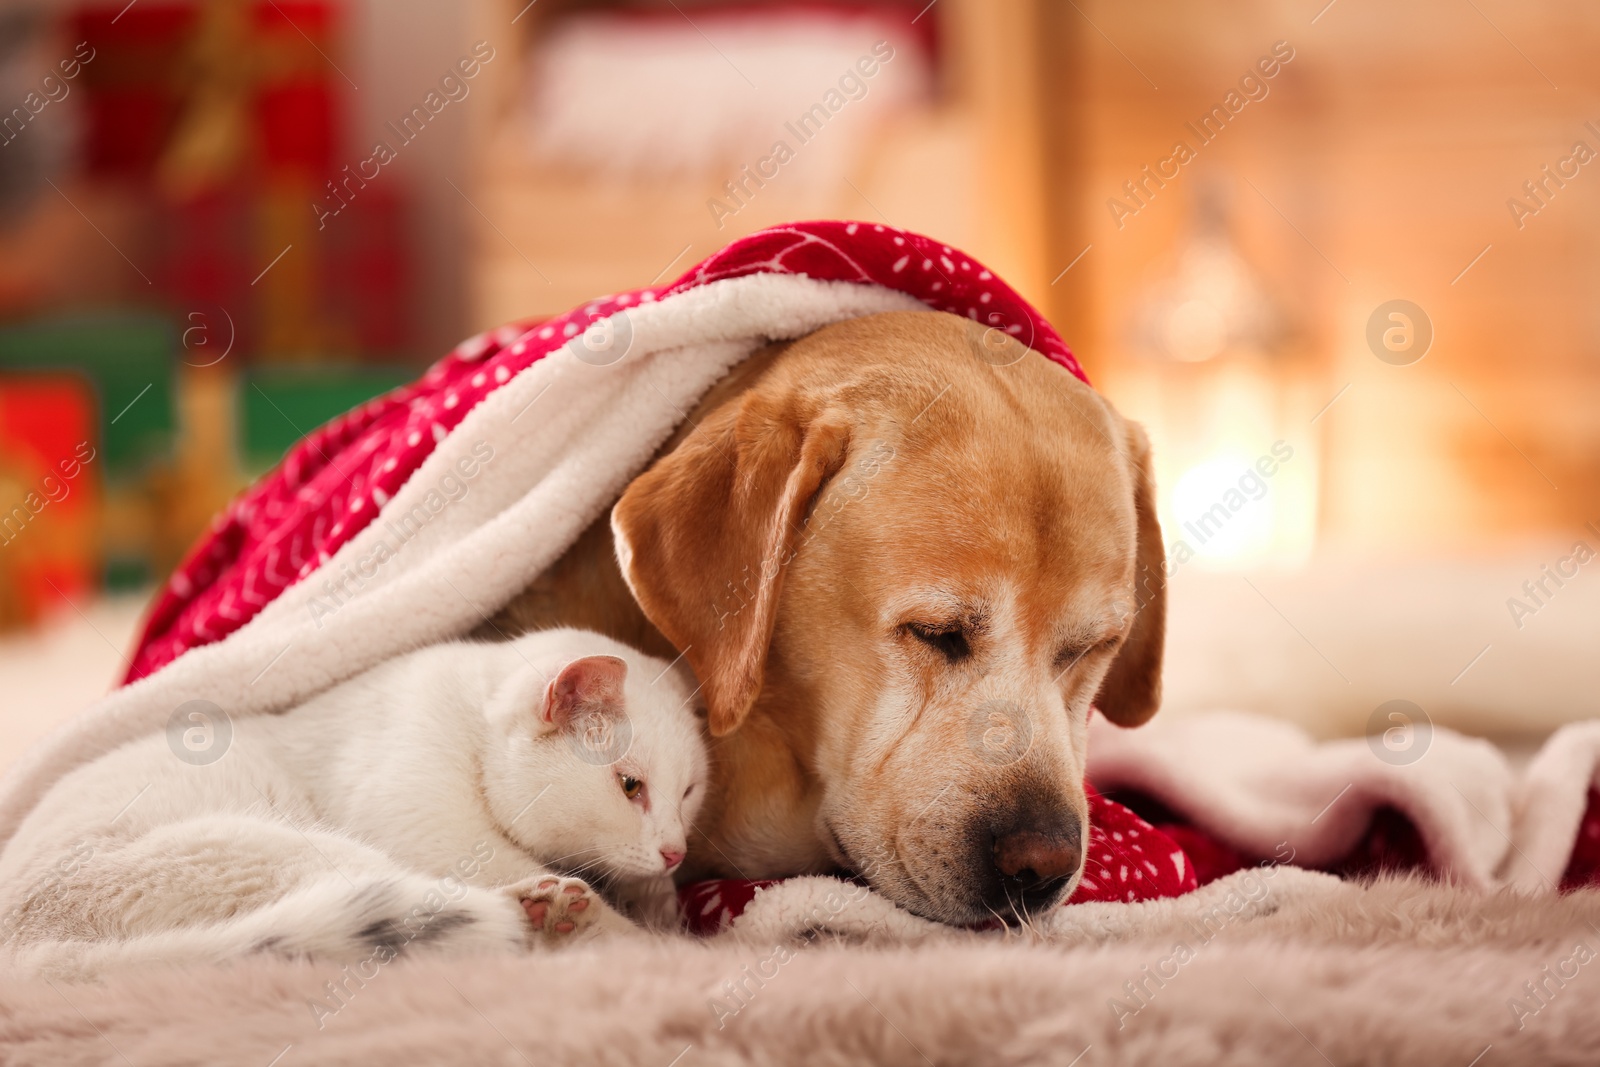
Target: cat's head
597,770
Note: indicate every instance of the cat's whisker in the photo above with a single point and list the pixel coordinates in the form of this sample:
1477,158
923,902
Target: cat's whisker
580,852
584,868
584,863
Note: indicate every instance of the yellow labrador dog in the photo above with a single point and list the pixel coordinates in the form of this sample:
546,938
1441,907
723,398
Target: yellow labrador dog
903,555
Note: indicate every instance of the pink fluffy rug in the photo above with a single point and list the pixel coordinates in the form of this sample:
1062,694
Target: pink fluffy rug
1399,972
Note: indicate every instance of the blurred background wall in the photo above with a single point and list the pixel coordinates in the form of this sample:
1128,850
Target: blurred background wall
1338,257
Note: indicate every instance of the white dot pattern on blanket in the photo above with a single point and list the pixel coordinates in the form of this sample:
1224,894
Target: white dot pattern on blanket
281,529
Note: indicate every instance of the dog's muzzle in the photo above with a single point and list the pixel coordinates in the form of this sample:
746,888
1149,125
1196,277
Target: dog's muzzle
1032,861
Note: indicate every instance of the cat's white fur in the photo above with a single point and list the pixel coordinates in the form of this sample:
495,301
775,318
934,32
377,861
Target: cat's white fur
425,802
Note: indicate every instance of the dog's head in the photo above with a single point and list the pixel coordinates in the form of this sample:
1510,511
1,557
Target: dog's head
918,552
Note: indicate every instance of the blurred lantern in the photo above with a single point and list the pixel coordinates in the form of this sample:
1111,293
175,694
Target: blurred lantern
1235,455
1211,305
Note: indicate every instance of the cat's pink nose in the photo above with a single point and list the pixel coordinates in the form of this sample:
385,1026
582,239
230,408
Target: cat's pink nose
671,858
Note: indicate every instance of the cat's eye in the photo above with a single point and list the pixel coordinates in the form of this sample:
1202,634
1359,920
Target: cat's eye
631,786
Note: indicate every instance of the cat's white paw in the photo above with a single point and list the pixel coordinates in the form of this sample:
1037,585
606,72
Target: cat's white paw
561,910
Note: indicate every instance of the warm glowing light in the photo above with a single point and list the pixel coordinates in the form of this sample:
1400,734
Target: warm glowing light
1224,508
1237,510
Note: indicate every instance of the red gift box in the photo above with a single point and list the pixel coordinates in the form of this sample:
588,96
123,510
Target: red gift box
49,475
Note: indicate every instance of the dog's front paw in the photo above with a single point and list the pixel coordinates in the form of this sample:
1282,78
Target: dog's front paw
561,910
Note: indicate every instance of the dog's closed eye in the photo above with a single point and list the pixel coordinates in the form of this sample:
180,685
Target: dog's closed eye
1069,655
950,641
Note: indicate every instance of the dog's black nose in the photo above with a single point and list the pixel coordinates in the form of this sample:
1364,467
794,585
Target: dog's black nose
1034,864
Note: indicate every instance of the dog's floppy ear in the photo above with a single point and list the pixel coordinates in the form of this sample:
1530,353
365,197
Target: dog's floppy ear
704,537
1131,692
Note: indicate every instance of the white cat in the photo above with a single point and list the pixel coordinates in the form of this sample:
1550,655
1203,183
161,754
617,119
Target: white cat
430,801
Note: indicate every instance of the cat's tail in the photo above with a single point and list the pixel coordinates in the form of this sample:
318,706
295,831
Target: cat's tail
377,918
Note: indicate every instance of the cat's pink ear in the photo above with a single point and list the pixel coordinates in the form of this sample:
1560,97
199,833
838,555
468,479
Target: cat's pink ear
591,682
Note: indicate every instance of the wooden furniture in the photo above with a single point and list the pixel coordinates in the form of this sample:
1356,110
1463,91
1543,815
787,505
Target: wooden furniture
968,166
